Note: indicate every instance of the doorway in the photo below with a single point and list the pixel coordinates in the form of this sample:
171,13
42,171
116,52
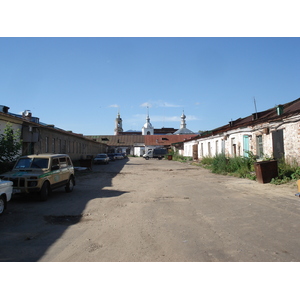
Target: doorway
278,144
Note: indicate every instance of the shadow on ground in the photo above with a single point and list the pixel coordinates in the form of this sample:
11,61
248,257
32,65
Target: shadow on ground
29,227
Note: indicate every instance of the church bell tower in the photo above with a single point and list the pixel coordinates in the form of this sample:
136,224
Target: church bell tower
118,125
148,129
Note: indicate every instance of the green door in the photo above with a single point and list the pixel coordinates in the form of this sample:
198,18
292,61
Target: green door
246,146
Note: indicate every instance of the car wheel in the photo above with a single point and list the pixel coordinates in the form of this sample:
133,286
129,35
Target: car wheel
45,191
70,185
2,205
147,157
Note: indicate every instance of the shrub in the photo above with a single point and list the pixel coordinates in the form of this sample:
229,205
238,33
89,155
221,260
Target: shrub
10,147
286,172
207,161
10,144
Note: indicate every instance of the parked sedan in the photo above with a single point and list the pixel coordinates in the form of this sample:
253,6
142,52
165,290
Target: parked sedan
101,159
119,156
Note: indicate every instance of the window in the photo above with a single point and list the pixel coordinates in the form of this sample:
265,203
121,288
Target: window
40,163
217,147
69,161
63,162
47,145
233,147
259,146
53,145
36,163
64,147
55,162
23,163
223,146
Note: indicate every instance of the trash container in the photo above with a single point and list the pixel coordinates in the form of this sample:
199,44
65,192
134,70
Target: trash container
170,157
266,170
86,163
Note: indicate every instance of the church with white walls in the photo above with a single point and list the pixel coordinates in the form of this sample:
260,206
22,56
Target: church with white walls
148,129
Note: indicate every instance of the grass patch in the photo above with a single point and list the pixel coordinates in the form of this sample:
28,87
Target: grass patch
177,157
243,167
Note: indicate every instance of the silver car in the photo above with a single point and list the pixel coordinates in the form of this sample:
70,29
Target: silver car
101,159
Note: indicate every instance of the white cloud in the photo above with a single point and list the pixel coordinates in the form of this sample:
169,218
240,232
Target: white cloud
166,104
191,118
140,118
146,104
166,119
160,103
114,105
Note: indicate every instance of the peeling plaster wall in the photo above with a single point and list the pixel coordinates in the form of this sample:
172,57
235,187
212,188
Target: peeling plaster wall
212,145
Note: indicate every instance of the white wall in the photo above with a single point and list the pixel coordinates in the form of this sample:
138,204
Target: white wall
212,145
139,151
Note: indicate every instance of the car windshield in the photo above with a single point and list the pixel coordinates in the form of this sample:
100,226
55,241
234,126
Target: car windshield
101,156
35,163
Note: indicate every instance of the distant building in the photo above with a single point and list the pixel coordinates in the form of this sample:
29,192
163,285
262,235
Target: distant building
183,129
271,133
148,129
38,137
137,142
118,126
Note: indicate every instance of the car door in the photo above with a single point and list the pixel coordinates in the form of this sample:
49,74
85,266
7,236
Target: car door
55,173
64,171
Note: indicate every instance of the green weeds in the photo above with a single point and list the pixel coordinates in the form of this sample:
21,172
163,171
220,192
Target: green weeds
243,167
176,156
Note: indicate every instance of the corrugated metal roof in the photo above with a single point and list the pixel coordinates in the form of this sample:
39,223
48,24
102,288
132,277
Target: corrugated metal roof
147,140
118,140
166,140
269,115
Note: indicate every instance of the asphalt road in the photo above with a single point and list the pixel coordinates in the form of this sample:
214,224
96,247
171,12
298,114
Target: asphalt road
135,210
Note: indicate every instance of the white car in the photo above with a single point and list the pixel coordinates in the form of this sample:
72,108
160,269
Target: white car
119,156
101,159
6,188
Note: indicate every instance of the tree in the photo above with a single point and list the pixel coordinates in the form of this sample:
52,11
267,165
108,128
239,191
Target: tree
10,144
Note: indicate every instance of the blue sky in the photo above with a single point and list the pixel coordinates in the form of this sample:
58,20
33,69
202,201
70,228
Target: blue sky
80,84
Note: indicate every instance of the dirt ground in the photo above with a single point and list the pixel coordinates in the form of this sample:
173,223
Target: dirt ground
135,210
